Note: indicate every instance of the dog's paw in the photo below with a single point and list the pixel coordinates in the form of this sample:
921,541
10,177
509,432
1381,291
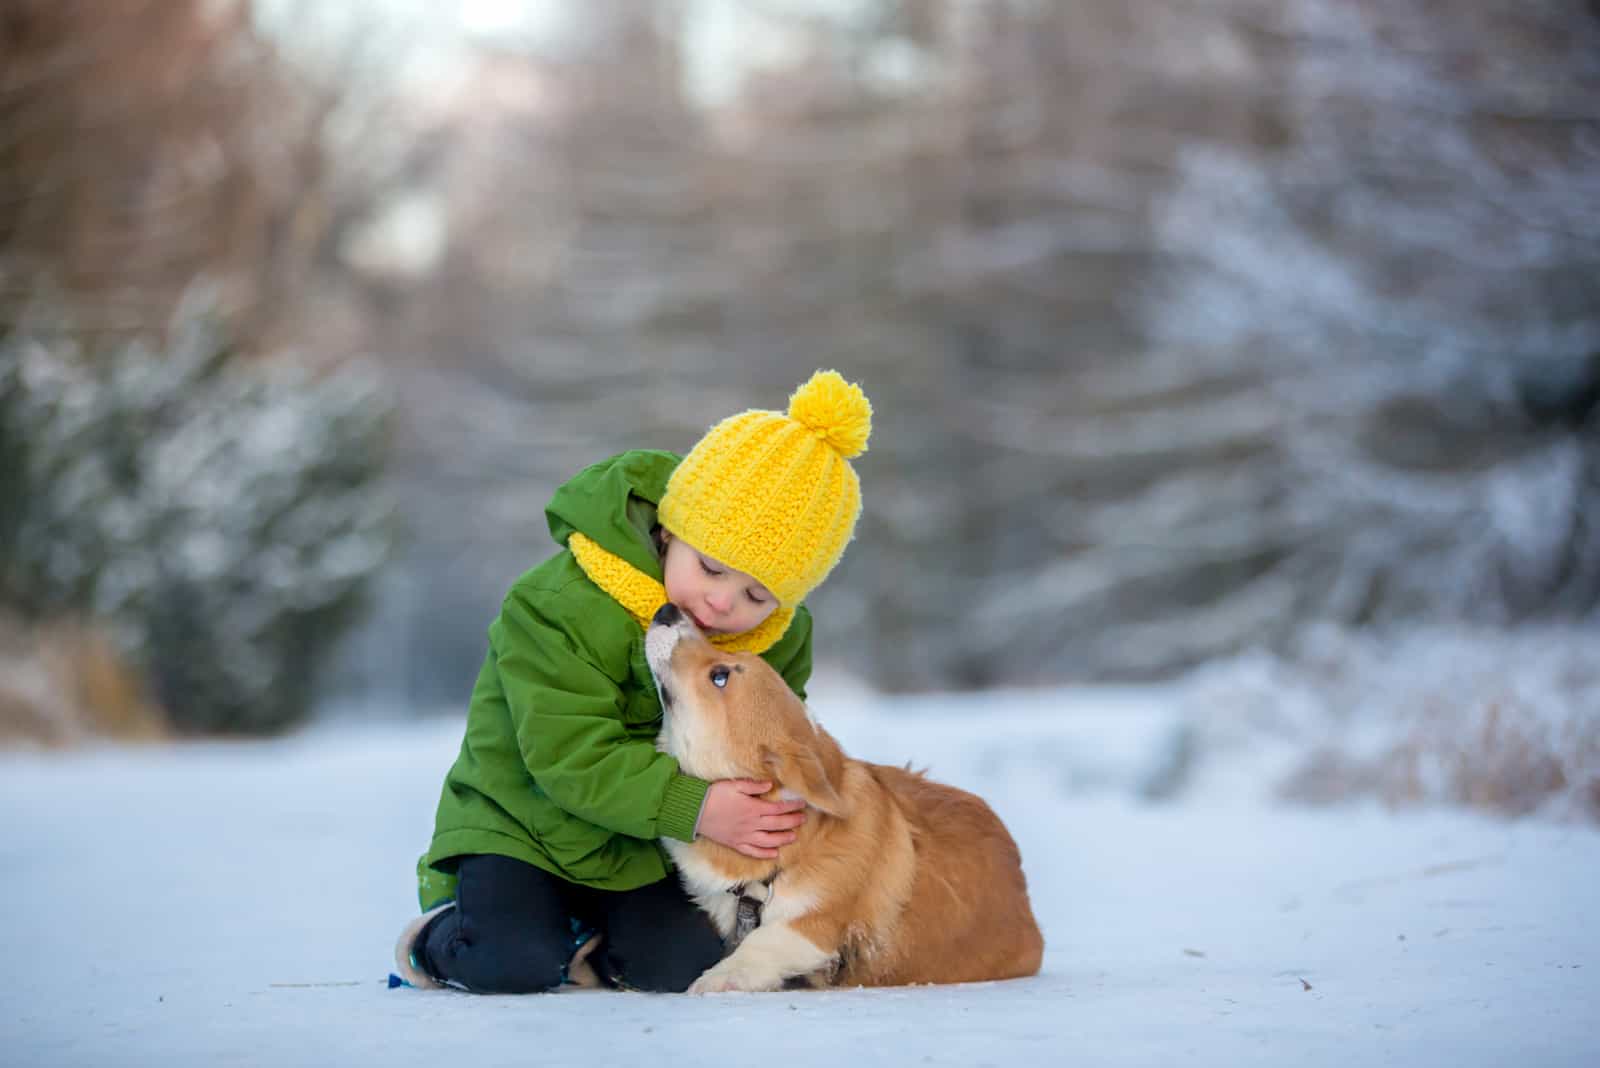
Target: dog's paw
720,980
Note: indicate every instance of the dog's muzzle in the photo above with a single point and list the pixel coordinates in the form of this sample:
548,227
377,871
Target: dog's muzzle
666,626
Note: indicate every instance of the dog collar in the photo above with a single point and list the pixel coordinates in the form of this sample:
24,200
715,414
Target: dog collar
751,903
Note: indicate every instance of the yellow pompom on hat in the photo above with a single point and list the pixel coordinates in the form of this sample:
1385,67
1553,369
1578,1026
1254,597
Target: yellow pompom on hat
773,494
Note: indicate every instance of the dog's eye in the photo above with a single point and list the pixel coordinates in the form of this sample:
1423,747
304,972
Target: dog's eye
719,676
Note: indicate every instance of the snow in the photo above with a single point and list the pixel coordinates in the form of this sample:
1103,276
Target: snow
210,903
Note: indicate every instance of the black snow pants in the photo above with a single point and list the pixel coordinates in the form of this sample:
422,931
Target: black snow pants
515,927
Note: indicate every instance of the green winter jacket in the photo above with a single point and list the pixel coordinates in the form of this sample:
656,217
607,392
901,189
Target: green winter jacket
558,766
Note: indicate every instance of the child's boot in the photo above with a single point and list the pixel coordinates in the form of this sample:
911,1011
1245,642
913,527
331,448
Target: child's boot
411,953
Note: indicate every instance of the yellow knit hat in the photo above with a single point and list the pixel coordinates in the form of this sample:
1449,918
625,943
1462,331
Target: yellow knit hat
772,494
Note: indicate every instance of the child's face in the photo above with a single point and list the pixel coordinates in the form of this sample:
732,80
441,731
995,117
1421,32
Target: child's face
721,600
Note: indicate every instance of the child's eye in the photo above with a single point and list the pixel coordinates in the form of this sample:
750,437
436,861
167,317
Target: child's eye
708,569
752,595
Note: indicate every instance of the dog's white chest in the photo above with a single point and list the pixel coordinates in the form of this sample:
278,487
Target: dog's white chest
708,887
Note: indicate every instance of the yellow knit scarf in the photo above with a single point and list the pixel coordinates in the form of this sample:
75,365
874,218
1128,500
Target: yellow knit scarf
642,595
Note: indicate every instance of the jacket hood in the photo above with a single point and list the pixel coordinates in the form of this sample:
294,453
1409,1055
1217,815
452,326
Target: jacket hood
614,503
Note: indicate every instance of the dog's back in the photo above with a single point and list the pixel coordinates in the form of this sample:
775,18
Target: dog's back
967,916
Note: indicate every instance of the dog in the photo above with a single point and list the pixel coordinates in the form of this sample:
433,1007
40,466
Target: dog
893,879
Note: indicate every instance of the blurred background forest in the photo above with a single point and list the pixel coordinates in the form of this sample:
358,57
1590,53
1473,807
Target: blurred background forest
1254,328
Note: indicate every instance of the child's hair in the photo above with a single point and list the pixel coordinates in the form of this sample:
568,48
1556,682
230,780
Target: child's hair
773,494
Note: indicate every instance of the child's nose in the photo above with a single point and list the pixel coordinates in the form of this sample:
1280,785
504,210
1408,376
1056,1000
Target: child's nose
719,600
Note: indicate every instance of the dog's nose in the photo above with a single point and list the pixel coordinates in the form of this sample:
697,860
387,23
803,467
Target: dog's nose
667,615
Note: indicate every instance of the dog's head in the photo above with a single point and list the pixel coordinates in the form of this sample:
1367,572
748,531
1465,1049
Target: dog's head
731,716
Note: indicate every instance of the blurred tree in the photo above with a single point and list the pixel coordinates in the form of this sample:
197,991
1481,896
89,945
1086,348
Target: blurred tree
148,142
960,206
1186,324
222,516
1414,275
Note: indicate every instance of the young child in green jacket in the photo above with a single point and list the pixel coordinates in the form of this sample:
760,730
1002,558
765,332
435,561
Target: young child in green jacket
546,841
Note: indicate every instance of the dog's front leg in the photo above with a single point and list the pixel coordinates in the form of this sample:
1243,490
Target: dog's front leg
768,955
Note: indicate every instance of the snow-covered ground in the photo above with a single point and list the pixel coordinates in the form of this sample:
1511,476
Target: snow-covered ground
236,903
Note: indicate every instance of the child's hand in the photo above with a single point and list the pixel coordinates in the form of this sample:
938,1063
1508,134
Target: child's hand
735,815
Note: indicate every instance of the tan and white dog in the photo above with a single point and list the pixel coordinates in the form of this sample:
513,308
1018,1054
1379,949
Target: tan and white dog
893,879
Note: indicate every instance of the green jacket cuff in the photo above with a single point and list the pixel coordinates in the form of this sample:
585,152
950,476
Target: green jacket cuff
680,808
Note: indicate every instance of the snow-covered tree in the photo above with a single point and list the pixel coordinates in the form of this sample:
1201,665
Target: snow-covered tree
1408,283
1187,325
222,515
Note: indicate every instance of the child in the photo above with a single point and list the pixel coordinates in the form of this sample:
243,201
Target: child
546,835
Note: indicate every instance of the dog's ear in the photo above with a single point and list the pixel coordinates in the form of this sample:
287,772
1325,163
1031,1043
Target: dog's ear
800,770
